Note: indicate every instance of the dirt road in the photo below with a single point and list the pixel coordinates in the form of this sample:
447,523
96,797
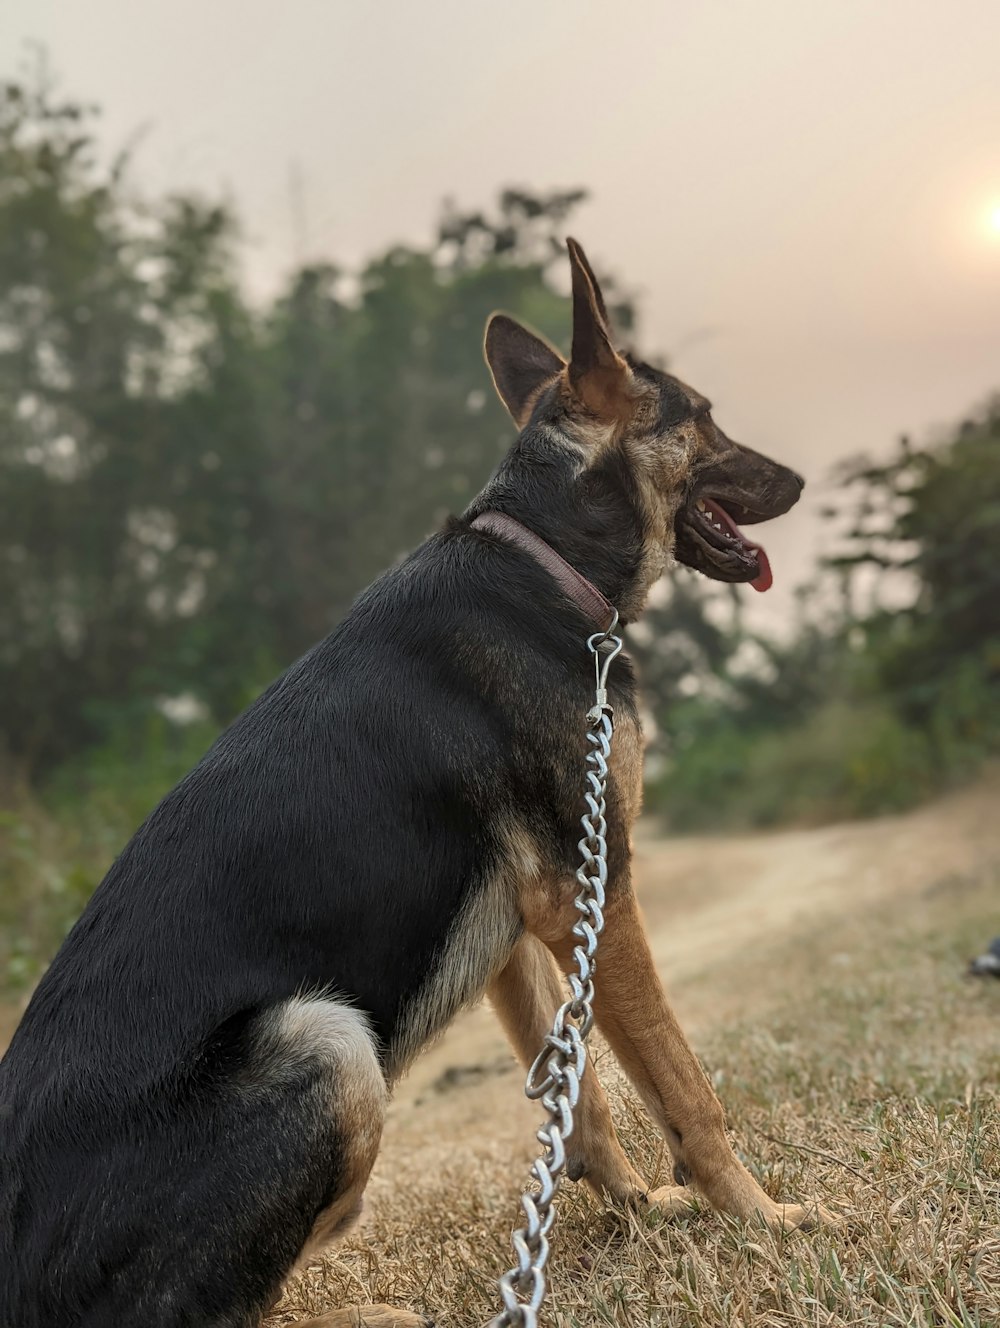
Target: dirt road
723,916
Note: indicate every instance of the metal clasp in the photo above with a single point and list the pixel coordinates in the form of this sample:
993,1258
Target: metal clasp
604,646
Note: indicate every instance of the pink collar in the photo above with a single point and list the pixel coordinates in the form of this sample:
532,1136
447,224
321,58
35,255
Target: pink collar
587,598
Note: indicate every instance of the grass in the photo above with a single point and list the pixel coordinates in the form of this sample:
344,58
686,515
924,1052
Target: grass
873,1090
55,846
861,1069
48,869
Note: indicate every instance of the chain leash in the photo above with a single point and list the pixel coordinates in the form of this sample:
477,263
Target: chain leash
555,1075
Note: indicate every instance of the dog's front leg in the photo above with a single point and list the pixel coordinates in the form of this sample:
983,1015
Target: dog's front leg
632,1011
525,995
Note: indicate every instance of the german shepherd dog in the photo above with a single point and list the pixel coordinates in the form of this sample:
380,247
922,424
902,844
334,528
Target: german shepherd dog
192,1104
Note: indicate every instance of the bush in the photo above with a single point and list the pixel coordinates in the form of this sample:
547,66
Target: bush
846,759
55,846
965,721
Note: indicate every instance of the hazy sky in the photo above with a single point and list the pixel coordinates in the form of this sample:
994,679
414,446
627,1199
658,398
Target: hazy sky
800,192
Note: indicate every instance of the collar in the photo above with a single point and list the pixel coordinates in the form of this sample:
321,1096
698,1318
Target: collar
584,594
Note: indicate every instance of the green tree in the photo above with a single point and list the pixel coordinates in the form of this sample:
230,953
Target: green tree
194,489
930,518
103,308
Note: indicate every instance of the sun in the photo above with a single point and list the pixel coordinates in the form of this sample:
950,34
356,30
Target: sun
994,220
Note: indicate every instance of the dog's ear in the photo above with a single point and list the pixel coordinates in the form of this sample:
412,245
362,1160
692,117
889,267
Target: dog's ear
521,363
597,373
579,259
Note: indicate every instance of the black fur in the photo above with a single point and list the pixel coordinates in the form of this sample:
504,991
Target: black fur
327,840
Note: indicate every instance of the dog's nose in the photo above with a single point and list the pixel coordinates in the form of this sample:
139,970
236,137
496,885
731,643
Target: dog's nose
799,479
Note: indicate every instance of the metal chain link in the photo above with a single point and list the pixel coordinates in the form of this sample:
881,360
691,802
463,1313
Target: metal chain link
555,1075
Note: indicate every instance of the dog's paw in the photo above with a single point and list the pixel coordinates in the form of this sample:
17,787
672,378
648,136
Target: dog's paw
385,1316
801,1217
670,1200
370,1316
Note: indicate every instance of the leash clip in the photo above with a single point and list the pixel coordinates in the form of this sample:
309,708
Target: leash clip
604,646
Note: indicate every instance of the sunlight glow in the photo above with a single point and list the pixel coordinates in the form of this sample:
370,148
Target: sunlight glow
995,219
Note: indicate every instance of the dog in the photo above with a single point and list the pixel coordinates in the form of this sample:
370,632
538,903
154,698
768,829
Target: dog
193,1101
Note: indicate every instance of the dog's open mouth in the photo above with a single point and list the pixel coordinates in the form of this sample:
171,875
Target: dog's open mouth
742,489
713,525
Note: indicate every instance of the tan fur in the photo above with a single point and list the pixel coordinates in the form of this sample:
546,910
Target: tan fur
531,401
368,1316
660,462
478,946
610,411
625,766
598,376
604,404
660,466
605,394
632,1011
338,1037
526,994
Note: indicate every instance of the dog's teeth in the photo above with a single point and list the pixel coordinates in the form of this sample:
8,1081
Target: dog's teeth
700,504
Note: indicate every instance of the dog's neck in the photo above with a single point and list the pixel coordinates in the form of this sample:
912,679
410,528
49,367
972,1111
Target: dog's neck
593,517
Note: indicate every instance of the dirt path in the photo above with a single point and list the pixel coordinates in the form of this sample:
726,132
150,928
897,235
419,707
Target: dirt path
714,908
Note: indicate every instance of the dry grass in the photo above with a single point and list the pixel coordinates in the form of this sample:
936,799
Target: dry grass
865,1076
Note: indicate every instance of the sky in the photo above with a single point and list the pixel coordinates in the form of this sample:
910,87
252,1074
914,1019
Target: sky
803,195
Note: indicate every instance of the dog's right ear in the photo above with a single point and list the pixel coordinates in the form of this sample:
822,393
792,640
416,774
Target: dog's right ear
599,376
521,364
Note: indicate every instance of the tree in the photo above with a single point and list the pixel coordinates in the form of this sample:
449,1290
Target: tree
932,516
195,489
103,306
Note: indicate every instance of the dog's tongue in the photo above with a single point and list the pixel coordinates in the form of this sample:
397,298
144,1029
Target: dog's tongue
763,580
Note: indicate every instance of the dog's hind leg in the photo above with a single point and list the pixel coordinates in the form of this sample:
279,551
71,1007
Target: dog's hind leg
525,996
632,1011
334,1036
338,1034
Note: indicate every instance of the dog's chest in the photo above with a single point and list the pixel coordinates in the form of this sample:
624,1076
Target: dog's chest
625,769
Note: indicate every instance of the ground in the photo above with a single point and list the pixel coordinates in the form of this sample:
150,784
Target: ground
819,973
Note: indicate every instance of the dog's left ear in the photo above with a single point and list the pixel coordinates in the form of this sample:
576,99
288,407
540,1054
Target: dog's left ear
599,376
521,364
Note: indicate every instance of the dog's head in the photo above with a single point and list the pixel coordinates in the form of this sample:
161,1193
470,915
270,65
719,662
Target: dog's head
695,486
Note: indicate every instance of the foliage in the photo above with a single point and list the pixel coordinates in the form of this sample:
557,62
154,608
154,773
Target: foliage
934,514
105,309
195,489
55,848
841,760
